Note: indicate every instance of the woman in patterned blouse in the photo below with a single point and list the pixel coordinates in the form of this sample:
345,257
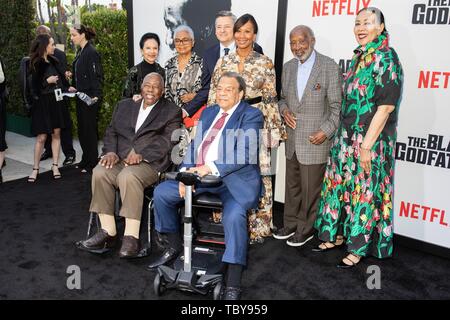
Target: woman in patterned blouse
184,71
356,204
259,74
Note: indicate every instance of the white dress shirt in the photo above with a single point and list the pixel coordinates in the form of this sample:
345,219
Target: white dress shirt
303,73
213,152
143,114
232,48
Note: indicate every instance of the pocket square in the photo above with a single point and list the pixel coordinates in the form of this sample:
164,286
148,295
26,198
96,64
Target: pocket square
317,86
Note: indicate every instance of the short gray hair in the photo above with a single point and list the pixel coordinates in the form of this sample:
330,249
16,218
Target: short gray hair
153,74
238,77
304,29
225,13
186,28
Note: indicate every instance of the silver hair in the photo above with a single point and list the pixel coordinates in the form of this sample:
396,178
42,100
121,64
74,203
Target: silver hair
186,28
152,74
226,13
303,28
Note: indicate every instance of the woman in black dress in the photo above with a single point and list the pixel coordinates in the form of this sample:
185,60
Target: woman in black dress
46,112
87,78
149,45
3,145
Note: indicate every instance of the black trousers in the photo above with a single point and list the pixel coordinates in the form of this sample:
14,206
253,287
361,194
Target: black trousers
87,117
66,135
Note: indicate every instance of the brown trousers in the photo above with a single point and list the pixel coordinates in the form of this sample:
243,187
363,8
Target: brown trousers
131,181
302,195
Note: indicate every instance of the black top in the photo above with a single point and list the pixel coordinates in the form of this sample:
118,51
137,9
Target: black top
137,74
88,71
41,71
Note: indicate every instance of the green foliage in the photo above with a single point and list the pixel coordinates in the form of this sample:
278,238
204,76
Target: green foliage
111,42
17,24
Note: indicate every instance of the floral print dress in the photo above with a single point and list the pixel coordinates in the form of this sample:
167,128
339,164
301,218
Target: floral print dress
259,77
354,204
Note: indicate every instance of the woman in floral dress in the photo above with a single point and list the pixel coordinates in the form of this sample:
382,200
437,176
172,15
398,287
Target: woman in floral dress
356,203
259,74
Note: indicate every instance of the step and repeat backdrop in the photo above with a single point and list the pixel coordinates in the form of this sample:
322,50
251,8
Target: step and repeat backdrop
419,32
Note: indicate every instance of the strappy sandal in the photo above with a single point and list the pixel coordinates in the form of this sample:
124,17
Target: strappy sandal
56,176
31,179
325,244
343,265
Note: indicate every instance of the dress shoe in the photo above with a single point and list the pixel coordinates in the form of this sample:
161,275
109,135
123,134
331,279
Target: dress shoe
46,155
69,160
284,233
232,293
161,241
98,242
167,256
298,240
130,247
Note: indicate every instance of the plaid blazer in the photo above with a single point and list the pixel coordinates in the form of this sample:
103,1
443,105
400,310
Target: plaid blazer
318,108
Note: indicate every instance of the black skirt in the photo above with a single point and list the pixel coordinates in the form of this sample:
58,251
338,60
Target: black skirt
47,114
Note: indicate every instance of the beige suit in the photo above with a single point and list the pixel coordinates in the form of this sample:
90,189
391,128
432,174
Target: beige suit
318,109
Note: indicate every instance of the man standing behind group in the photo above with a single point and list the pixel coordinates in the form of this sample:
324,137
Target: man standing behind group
66,132
310,105
224,32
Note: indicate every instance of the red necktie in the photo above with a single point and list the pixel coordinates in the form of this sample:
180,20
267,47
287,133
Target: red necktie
210,138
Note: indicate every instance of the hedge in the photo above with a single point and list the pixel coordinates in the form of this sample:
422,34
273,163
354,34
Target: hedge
112,44
17,24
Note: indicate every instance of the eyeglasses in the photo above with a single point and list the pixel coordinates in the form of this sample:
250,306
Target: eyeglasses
182,41
297,43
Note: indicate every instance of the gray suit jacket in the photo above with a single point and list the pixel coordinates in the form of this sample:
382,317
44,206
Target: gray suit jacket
152,140
319,108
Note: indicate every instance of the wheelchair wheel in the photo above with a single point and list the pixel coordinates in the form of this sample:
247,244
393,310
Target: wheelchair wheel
217,291
158,285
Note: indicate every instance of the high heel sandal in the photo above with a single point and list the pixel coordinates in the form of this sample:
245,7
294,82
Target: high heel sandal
319,249
31,179
343,265
56,176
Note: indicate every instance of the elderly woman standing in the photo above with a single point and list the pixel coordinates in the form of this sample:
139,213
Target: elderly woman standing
259,74
356,203
184,79
149,45
184,71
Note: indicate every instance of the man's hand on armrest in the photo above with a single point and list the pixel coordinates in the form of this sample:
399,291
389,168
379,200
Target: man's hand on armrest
109,160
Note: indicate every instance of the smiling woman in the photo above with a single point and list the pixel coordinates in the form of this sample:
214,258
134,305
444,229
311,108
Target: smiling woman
357,190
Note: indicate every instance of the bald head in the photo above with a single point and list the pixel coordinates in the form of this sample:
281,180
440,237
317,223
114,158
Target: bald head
152,88
43,29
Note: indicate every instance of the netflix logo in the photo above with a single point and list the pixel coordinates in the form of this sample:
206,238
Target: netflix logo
433,80
322,8
414,211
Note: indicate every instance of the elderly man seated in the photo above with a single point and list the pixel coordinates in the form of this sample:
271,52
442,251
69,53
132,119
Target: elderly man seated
226,145
137,146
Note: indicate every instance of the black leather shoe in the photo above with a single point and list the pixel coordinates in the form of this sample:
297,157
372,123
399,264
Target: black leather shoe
232,293
69,160
99,242
161,241
167,256
46,155
130,247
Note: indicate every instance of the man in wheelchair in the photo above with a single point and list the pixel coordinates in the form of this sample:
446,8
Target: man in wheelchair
137,147
226,145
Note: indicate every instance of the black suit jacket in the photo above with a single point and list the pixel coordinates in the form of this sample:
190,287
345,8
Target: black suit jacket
152,140
88,71
210,57
62,60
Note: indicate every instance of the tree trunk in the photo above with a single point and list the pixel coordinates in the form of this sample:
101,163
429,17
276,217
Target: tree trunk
51,18
60,28
40,16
